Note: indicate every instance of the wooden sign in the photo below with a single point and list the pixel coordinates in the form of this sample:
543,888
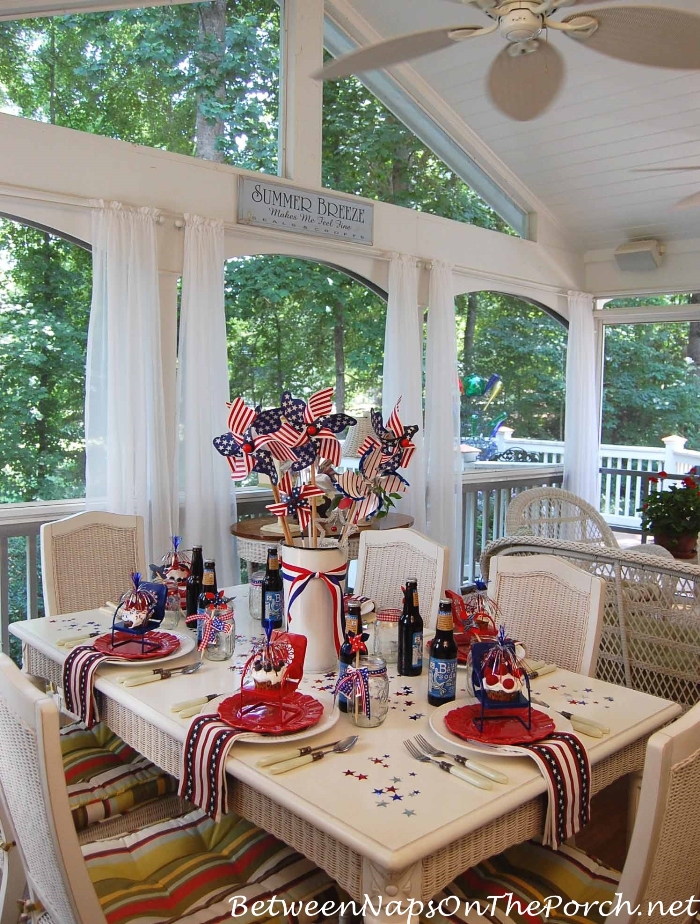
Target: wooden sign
268,204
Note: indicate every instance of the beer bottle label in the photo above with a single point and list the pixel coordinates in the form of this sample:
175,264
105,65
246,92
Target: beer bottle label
342,698
417,649
272,610
442,678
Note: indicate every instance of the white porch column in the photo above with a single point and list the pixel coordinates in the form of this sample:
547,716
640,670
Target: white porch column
582,432
301,102
403,373
672,445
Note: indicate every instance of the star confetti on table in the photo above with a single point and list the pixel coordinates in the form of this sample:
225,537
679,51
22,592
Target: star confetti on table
376,760
377,792
391,788
416,792
412,773
588,690
408,812
609,699
349,773
382,804
418,715
362,776
396,779
409,702
396,797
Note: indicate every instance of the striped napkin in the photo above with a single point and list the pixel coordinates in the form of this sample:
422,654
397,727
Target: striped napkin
79,670
563,762
203,767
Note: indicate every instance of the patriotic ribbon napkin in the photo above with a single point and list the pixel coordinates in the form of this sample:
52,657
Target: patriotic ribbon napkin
563,762
79,670
203,768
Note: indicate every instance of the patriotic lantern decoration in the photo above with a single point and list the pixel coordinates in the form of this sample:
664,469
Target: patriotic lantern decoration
500,679
309,428
295,500
136,606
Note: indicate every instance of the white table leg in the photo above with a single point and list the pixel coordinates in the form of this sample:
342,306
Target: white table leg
391,896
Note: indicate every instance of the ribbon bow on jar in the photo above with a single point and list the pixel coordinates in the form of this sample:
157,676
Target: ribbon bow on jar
355,683
218,618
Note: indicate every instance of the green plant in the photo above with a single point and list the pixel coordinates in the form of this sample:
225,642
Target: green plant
675,511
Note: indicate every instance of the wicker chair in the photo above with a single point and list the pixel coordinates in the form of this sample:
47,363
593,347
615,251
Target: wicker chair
387,557
87,559
12,881
143,875
650,639
554,608
662,865
553,513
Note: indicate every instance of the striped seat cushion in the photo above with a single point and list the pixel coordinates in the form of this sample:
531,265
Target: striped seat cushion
188,868
106,777
531,873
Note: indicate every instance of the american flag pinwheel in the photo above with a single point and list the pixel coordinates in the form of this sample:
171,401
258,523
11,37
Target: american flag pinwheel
394,441
295,500
252,443
310,429
367,488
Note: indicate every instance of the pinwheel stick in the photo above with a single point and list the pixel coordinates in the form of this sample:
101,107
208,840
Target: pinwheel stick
357,667
312,523
282,520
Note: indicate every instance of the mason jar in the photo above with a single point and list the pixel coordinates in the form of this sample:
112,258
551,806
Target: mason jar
255,595
222,645
386,635
378,682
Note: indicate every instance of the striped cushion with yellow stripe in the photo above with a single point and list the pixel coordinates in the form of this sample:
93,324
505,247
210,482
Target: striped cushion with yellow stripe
106,777
188,868
531,873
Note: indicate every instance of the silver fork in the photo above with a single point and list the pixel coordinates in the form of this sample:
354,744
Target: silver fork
482,770
465,775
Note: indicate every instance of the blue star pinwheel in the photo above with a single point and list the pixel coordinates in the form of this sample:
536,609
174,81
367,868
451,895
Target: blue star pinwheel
310,429
251,445
394,441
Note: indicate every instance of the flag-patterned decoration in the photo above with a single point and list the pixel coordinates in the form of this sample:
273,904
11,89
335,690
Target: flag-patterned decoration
310,429
79,671
394,441
365,487
252,443
295,500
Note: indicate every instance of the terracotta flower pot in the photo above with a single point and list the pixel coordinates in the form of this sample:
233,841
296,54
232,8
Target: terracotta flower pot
682,547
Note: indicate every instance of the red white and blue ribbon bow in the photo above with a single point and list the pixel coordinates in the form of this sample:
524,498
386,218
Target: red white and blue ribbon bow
299,579
310,429
295,500
394,441
214,620
252,443
355,683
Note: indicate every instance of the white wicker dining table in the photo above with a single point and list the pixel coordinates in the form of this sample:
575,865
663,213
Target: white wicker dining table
379,822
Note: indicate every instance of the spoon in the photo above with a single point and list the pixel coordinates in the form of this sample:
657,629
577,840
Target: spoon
135,680
340,747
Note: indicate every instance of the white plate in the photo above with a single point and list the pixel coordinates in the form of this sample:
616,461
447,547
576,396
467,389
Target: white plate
328,719
187,644
437,724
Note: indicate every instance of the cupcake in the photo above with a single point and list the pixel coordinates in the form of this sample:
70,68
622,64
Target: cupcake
504,685
268,674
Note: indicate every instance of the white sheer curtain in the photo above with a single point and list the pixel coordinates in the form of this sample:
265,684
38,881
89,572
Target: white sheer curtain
127,467
582,431
207,493
403,373
444,460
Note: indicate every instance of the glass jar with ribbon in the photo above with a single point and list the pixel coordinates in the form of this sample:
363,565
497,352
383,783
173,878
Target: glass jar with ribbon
366,688
218,630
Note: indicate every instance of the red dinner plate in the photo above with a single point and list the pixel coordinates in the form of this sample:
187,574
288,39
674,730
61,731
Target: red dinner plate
264,716
506,729
167,644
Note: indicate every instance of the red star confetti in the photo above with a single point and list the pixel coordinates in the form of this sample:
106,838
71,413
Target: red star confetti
362,776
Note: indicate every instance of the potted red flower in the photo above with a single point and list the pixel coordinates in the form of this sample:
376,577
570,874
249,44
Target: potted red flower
672,515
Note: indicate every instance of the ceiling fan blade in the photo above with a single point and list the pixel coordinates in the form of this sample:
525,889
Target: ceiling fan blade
523,86
690,202
662,169
652,35
394,51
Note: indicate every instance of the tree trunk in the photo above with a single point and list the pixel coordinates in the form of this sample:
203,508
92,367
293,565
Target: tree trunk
469,330
693,351
212,35
339,347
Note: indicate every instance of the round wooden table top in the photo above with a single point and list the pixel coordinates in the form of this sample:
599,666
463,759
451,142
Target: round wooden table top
251,529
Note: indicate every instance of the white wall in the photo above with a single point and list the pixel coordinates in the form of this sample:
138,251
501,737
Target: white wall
679,272
49,174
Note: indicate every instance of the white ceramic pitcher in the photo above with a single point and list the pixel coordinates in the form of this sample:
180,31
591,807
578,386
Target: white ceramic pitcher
315,612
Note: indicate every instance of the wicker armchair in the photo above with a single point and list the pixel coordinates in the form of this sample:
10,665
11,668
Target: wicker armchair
387,557
554,608
650,639
553,513
87,559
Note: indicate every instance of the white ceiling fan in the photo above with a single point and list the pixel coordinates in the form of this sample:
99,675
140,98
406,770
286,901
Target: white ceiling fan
528,73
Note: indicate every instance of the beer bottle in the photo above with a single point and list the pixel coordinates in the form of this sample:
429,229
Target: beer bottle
194,583
272,592
346,657
207,597
442,667
410,655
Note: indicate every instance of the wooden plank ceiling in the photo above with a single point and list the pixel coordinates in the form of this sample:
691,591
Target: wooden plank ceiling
610,116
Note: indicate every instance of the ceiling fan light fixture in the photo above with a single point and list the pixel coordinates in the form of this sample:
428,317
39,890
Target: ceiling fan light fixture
520,25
